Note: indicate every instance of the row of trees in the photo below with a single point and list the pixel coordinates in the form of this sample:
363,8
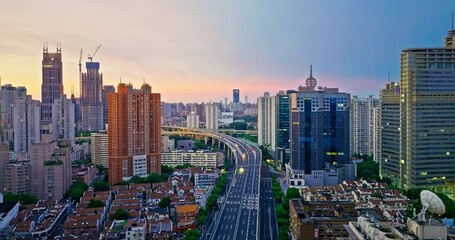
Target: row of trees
194,234
282,206
21,197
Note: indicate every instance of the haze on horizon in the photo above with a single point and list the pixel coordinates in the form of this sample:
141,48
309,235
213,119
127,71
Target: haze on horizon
200,51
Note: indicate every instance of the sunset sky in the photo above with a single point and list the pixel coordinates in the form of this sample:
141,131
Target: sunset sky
195,51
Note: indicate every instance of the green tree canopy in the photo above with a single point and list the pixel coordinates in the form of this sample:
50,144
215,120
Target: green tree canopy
165,202
292,193
77,190
192,234
21,197
95,203
100,186
120,214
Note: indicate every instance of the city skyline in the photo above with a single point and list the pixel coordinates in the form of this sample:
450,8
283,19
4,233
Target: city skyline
200,45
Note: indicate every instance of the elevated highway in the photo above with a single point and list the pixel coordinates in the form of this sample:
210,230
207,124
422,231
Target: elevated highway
238,217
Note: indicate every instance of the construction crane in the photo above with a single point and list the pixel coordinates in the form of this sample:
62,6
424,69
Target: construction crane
90,57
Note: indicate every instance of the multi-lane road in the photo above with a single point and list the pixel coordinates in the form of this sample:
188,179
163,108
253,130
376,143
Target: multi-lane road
248,209
238,217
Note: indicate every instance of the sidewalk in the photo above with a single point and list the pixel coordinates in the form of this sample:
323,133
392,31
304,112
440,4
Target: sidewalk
284,187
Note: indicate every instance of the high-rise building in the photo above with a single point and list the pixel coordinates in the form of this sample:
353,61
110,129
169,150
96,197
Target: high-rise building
63,119
91,98
376,133
426,120
17,177
390,132
192,120
4,159
99,145
362,119
50,163
267,120
211,116
9,96
134,132
282,127
26,123
106,90
319,133
236,96
52,82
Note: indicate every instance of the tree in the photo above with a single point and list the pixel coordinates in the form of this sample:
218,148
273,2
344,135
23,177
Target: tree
377,195
100,186
23,198
120,214
165,202
77,190
136,179
165,169
155,178
292,193
95,203
199,144
192,234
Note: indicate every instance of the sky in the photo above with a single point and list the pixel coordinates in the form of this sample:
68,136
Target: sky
198,51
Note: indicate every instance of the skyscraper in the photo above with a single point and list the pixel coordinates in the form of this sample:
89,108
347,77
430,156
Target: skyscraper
91,98
106,90
282,126
211,116
362,119
26,123
426,119
267,120
62,126
389,164
236,96
134,132
52,82
319,133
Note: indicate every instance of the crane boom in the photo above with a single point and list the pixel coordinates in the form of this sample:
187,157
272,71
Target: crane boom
90,57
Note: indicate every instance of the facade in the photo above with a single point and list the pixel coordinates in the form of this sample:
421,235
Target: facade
427,113
91,98
17,177
389,164
134,119
63,119
282,127
362,119
377,133
205,179
50,163
197,159
99,145
192,120
26,123
211,116
319,130
267,120
235,95
106,90
4,159
9,95
52,82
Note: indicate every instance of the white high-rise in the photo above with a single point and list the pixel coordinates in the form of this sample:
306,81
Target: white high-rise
211,116
26,123
362,119
267,120
63,119
376,133
192,120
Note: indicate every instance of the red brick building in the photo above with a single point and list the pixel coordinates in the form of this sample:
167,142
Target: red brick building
134,129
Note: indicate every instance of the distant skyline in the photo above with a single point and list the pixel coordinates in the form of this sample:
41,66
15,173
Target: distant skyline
200,51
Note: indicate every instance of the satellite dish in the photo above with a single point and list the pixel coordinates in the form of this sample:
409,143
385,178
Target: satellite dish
431,203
